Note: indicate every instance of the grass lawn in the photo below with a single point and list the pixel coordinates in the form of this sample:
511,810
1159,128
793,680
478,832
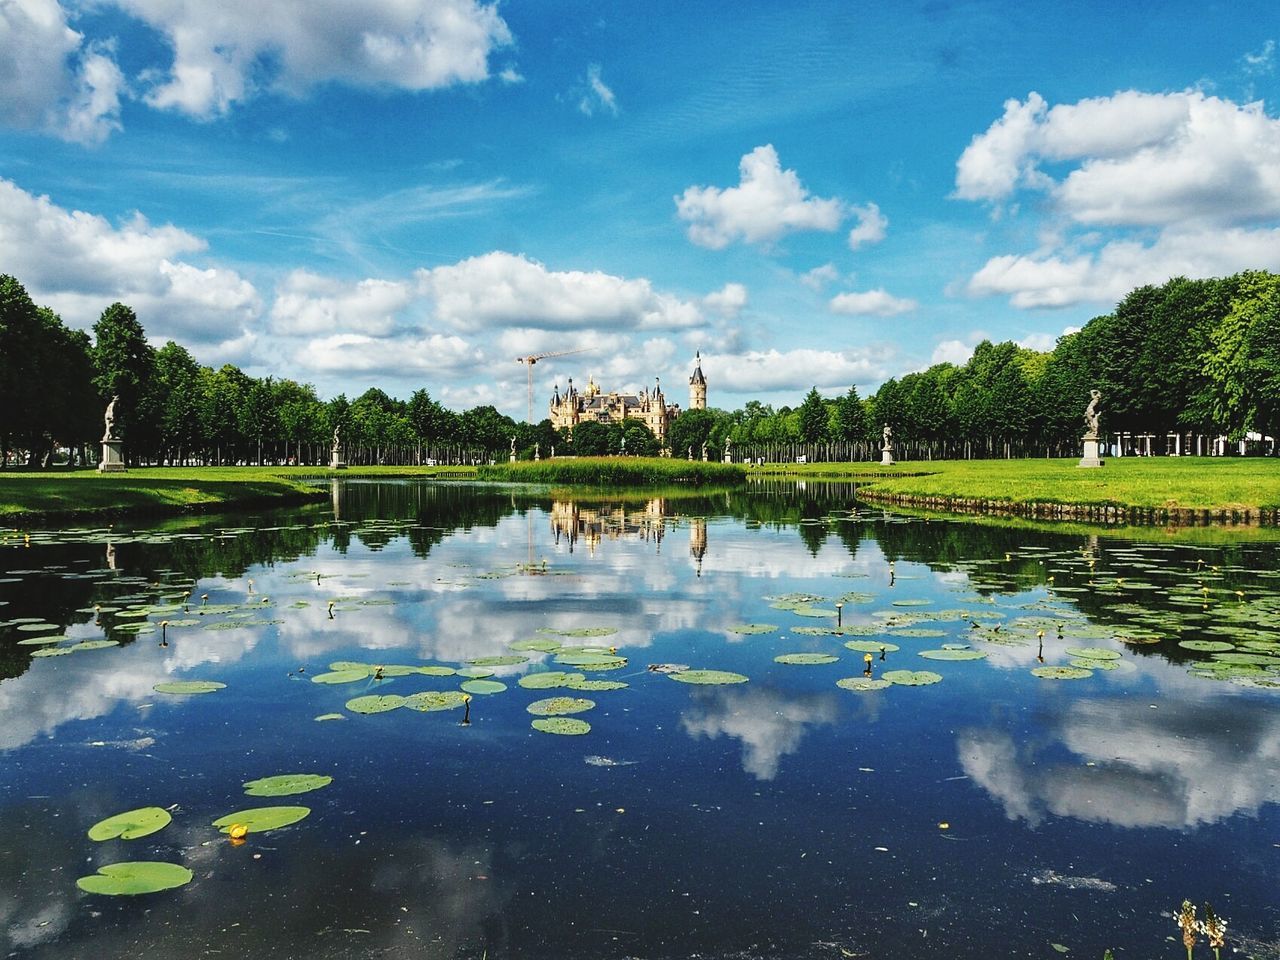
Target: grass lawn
1199,483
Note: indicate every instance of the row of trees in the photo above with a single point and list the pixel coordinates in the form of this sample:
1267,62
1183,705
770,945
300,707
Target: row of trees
1190,357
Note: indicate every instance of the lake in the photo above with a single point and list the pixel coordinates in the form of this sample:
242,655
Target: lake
967,808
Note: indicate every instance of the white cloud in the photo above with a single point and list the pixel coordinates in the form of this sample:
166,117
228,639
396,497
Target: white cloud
879,303
50,79
952,351
870,228
308,304
356,352
597,95
500,289
1262,62
769,724
1044,342
218,51
819,277
728,301
78,262
768,370
767,203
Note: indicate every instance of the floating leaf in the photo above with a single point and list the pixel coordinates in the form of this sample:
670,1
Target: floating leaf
475,673
871,646
258,819
497,661
341,676
188,686
536,644
38,641
592,660
131,824
560,706
548,679
429,701
483,686
919,632
1061,673
953,654
912,603
564,726
911,678
435,670
595,685
752,628
130,879
376,703
285,784
1207,646
51,652
806,659
710,677
1093,653
863,684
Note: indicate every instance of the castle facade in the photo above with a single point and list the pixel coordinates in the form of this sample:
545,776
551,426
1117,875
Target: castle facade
650,407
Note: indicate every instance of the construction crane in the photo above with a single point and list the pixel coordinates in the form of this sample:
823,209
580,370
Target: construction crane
533,358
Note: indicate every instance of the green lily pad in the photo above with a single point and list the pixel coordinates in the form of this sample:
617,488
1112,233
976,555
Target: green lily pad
1061,673
51,652
548,679
863,684
581,631
37,627
131,824
953,654
911,678
912,603
709,677
806,659
536,644
435,670
592,660
583,684
258,819
483,686
376,703
341,676
130,879
560,706
871,646
752,628
919,632
497,661
564,726
1207,646
285,784
1093,653
188,686
475,673
430,701
40,641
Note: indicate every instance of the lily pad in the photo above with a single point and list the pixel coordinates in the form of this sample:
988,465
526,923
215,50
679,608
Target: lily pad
751,629
497,661
131,824
911,678
376,703
1207,646
475,673
430,701
548,679
258,819
536,644
912,603
51,652
709,677
285,784
583,684
564,726
435,670
40,641
483,686
560,706
1061,673
863,684
871,646
130,879
188,686
1093,653
341,676
919,632
806,659
953,654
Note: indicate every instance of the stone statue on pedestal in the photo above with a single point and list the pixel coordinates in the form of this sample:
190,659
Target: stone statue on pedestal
704,452
728,446
112,447
1091,457
335,454
109,419
513,450
886,446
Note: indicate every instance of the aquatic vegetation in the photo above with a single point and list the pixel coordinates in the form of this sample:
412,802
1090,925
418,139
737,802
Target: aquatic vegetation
430,701
752,629
260,819
563,726
548,679
131,824
863,684
188,686
134,878
1061,673
806,659
709,677
286,784
560,706
375,703
952,654
871,646
911,678
483,686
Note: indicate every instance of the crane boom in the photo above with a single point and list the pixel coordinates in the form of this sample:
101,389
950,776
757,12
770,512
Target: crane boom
530,359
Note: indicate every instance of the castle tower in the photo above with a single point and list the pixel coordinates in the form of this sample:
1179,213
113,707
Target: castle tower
698,386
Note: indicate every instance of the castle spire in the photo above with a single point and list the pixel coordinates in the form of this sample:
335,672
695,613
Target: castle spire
698,386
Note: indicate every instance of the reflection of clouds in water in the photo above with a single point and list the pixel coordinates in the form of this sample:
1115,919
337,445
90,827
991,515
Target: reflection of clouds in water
1177,766
769,724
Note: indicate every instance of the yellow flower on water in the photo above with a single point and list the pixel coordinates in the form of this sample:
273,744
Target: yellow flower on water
237,831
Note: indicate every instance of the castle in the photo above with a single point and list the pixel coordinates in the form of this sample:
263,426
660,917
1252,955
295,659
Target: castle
649,407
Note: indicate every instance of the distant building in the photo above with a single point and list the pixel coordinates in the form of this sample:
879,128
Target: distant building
650,407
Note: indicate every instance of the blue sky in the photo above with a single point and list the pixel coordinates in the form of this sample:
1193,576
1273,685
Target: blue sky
411,193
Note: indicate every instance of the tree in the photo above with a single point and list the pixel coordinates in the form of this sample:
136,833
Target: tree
123,361
640,439
813,418
848,419
173,399
591,439
691,430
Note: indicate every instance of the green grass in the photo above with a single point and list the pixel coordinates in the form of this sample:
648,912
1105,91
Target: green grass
87,493
612,471
1197,483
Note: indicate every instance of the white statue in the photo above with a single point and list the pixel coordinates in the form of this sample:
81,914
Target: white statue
109,418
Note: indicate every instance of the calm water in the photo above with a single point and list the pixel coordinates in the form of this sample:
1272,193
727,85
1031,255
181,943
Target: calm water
993,813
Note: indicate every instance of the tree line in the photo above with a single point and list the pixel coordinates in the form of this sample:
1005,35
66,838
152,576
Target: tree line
1183,362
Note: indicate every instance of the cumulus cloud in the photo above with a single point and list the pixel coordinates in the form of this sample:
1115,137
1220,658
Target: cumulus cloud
799,369
767,203
768,724
951,351
1200,171
306,303
596,95
502,289
819,277
78,262
728,301
879,303
356,353
870,228
51,79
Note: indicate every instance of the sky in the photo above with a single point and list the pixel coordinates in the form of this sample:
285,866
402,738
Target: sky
413,193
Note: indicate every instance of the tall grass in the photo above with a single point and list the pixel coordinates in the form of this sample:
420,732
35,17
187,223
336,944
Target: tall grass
610,471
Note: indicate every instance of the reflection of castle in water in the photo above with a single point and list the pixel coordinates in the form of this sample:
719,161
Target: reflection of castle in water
576,523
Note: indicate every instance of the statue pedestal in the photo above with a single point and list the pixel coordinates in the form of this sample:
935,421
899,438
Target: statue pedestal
1090,458
112,457
728,458
512,458
886,457
336,464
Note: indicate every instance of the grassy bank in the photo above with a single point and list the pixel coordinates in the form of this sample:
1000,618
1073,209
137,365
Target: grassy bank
26,497
1190,483
613,471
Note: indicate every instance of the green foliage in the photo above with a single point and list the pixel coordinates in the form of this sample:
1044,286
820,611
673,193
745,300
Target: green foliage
814,418
599,471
